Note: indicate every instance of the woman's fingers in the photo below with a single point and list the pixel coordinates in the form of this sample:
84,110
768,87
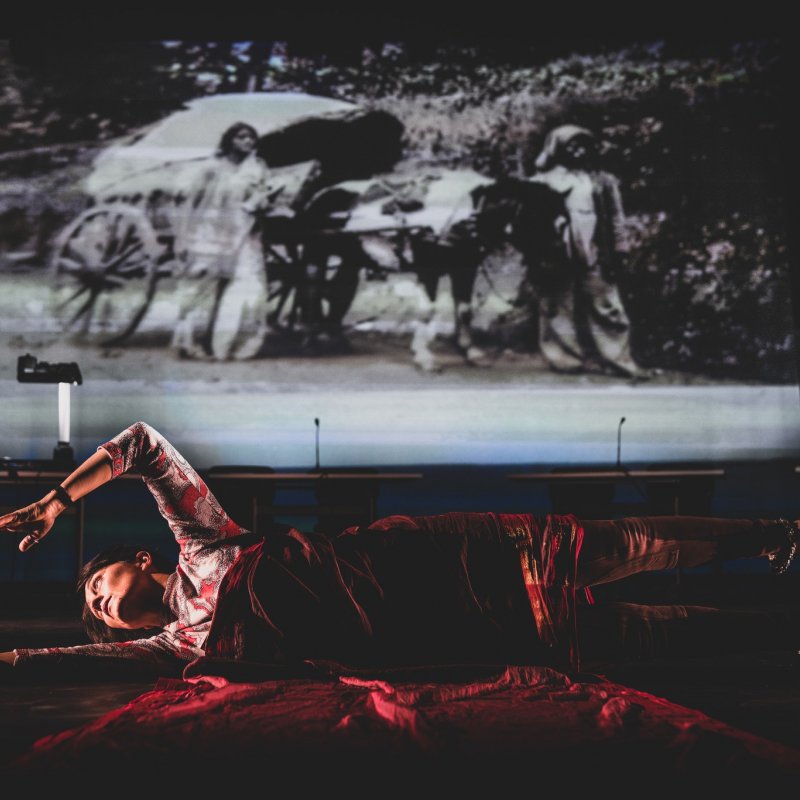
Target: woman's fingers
30,521
9,522
12,521
30,540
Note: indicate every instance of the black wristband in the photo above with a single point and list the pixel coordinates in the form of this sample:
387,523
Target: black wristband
63,495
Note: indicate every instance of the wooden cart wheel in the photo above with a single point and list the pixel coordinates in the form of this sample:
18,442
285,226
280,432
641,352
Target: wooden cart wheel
312,288
285,275
104,271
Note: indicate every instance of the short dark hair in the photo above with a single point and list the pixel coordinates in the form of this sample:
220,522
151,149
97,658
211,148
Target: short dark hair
225,145
96,629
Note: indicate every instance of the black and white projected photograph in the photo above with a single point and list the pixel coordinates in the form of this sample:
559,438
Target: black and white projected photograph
440,251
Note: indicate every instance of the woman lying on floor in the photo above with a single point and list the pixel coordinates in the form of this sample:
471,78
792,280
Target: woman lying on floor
457,588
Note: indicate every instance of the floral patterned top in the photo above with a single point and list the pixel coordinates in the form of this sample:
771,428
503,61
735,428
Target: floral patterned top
204,534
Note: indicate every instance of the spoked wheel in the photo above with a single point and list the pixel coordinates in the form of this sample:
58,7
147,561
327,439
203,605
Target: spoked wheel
311,292
285,278
104,271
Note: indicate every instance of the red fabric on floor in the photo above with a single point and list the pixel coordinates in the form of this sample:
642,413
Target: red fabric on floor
534,716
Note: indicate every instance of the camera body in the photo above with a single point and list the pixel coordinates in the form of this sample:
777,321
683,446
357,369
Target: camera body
31,370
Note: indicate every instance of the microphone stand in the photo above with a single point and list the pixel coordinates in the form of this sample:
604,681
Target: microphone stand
639,488
316,424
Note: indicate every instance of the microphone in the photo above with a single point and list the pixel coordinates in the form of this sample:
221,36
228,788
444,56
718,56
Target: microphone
316,423
619,442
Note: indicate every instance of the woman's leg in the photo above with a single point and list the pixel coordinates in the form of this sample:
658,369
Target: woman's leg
197,302
616,548
240,323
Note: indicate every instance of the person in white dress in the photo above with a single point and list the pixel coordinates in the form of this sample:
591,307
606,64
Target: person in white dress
224,307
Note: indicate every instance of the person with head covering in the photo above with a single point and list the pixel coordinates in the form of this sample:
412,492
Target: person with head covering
583,324
224,308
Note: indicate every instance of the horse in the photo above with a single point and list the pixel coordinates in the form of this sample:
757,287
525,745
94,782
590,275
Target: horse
440,224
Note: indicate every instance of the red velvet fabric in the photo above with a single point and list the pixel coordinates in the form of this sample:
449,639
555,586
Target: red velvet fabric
510,720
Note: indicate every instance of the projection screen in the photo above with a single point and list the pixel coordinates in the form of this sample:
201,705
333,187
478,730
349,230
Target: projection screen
428,253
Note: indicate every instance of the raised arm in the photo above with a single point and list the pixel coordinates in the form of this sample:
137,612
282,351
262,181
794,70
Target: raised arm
185,502
192,512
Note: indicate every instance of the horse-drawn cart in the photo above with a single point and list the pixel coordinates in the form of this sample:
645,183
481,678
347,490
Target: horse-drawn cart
342,207
108,265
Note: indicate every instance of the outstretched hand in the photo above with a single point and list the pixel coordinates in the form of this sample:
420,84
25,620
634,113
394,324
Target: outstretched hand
34,521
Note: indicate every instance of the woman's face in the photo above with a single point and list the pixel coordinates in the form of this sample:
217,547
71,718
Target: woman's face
243,142
577,150
125,594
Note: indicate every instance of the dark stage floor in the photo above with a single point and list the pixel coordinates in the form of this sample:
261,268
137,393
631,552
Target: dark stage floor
756,689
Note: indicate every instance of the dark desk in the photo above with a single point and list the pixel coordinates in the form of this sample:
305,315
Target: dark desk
674,480
349,497
360,490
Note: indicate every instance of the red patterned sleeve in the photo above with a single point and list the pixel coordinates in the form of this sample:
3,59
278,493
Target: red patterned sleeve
192,512
161,653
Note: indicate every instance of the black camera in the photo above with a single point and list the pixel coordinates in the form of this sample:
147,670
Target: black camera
31,370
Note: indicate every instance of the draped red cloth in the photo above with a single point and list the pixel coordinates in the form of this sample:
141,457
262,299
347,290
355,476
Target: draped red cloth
375,731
